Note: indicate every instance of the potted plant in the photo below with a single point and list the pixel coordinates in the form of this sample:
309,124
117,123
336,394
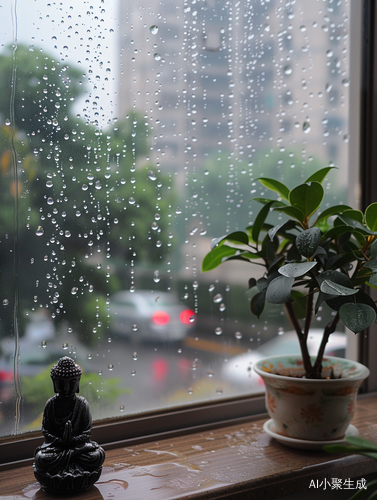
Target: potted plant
309,259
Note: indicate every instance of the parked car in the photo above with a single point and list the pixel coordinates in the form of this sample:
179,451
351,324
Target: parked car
150,316
239,370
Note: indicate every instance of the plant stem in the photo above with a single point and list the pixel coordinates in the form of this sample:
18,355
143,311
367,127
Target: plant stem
329,329
301,338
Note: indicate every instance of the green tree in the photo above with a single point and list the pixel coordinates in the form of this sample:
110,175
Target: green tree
84,197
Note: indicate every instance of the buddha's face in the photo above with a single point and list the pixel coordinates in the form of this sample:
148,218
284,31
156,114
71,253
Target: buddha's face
66,387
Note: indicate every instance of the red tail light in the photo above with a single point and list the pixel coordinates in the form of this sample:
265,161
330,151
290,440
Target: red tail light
160,318
187,317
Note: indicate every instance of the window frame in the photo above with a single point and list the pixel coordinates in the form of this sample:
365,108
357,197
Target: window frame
18,449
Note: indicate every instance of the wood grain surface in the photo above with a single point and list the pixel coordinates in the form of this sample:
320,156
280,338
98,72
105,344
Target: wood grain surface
238,461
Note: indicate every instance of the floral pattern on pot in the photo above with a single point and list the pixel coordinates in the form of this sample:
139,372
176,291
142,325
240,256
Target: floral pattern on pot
302,408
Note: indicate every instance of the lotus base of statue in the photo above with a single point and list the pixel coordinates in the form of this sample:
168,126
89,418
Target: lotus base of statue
68,482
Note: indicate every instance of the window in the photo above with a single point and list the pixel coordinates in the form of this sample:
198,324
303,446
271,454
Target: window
131,135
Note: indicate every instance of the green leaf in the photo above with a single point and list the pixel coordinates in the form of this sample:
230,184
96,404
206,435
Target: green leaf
362,443
372,280
356,215
262,284
307,198
352,223
279,290
332,211
237,237
360,298
373,248
319,175
291,212
331,288
371,216
336,277
274,185
252,283
297,269
216,256
257,304
307,242
259,220
371,263
357,317
337,231
289,224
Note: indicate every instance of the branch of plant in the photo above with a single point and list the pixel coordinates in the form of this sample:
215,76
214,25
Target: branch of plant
329,329
303,345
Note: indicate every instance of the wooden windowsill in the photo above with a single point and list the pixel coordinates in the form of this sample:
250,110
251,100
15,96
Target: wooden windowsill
236,461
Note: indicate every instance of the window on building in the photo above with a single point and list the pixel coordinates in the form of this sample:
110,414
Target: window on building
131,135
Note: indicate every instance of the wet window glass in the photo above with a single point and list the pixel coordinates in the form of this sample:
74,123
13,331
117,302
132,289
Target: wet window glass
131,134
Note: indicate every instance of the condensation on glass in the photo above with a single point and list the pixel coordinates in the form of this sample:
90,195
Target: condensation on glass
131,134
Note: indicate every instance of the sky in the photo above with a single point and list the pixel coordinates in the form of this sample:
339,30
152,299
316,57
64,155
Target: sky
83,33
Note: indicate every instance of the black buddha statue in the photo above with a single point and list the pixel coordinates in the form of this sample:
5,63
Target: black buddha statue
68,460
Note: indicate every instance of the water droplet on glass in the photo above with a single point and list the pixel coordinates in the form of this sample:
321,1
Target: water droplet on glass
121,407
65,345
89,356
156,276
133,372
153,29
135,327
345,82
134,355
288,70
39,231
306,127
152,175
43,344
238,335
110,366
328,87
132,288
74,290
84,187
157,56
218,330
131,201
67,234
222,307
280,331
49,184
192,319
217,298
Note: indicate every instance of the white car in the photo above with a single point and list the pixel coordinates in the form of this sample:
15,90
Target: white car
150,316
239,370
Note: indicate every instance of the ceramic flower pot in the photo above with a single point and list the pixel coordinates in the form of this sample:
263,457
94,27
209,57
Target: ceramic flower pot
315,410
